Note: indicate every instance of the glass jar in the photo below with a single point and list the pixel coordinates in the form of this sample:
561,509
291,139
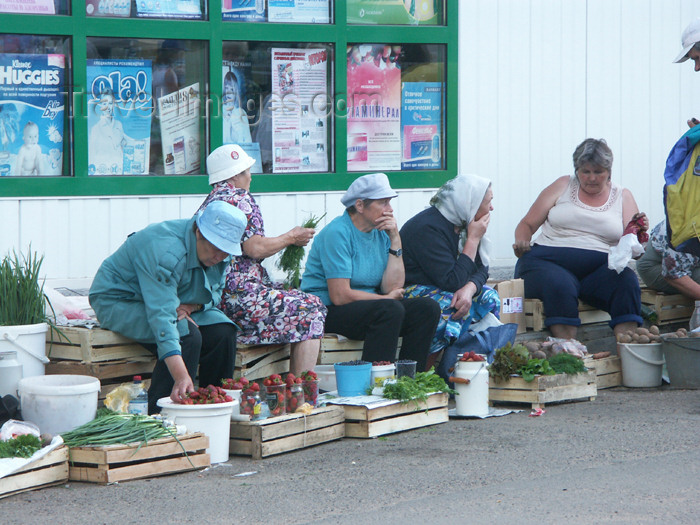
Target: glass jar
276,397
295,397
310,388
250,403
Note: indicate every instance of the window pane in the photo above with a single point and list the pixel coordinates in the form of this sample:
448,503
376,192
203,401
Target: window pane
396,12
182,9
285,11
34,123
277,104
36,7
396,101
145,112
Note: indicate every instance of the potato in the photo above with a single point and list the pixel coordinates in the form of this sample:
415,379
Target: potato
682,331
643,339
532,346
641,330
539,354
624,338
672,335
654,330
635,338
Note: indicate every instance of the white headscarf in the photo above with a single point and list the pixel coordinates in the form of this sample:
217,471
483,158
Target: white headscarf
458,200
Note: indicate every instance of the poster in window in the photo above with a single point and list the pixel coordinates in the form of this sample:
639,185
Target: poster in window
421,113
28,7
244,10
394,12
189,9
235,119
179,130
32,103
299,110
299,11
119,108
374,107
111,8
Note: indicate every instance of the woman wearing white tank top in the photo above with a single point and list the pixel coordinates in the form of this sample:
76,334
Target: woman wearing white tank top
582,217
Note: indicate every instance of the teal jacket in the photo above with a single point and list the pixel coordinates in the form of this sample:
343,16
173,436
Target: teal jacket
138,288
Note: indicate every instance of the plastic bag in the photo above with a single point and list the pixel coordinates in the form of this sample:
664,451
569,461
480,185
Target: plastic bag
627,249
63,306
553,346
13,428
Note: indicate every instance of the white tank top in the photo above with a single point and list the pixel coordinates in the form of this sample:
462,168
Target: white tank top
572,224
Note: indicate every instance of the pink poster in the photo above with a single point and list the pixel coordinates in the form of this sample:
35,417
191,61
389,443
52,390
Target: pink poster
33,7
374,108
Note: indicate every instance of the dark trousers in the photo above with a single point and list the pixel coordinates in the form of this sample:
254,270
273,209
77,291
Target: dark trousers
380,323
560,276
210,348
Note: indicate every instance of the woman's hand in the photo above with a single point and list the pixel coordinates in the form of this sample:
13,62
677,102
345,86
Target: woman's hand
462,300
387,223
183,381
520,248
301,236
396,293
184,311
477,229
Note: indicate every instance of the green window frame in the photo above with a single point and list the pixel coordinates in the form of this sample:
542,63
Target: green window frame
78,26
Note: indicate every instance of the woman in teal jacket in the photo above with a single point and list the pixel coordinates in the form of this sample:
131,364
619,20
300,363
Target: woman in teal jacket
161,288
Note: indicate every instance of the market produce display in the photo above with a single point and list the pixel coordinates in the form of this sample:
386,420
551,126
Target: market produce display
472,356
275,394
206,396
295,393
641,335
310,385
23,446
567,364
110,428
234,384
250,397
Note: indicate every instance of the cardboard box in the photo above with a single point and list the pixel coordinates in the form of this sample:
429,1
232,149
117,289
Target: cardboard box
512,295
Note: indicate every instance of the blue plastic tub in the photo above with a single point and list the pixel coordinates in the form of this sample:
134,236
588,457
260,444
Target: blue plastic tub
352,380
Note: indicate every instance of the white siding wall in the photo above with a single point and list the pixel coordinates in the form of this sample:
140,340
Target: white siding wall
535,78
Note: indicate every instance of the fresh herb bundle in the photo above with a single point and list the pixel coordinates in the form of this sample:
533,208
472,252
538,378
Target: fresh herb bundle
564,363
535,367
407,389
508,360
22,446
115,428
290,260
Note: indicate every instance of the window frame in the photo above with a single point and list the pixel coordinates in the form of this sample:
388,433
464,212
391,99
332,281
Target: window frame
79,27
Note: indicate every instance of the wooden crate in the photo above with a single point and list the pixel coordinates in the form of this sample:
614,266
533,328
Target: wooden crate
52,469
259,361
335,349
608,371
260,439
544,389
111,463
385,416
92,346
669,309
534,314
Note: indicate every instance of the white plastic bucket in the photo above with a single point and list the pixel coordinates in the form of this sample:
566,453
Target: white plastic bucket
381,373
326,377
213,420
29,341
642,364
236,395
58,403
472,399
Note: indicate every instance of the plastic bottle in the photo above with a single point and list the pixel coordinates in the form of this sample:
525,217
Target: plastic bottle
695,318
139,398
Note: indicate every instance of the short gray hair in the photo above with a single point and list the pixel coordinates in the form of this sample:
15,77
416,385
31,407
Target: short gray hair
593,151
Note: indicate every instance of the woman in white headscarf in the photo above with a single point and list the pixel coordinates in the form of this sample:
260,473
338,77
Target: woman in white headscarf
446,256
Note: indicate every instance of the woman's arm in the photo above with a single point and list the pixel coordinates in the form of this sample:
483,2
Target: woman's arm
394,274
537,214
259,247
686,286
340,292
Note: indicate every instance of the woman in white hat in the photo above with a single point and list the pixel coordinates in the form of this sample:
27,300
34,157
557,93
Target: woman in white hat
356,267
264,311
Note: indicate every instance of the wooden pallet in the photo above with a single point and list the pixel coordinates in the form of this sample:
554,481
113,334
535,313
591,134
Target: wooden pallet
111,463
52,469
92,345
259,361
336,349
534,314
608,371
544,389
669,309
260,439
384,416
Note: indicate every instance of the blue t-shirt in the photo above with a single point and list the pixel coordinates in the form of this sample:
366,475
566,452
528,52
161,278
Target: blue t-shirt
341,251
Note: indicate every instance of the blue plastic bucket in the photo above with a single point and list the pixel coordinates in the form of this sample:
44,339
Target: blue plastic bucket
352,380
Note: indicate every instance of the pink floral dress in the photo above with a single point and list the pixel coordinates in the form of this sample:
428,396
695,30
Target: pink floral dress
265,312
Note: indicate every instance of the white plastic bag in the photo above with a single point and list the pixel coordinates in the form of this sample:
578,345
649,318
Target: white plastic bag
627,249
13,428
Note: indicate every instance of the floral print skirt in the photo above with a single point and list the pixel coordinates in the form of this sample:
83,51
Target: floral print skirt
267,313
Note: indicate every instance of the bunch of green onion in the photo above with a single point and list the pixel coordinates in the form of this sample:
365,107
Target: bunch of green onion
115,428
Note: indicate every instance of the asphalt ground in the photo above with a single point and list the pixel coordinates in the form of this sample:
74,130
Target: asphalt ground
629,456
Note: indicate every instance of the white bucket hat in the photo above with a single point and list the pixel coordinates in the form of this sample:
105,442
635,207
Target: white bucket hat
222,224
226,161
690,37
372,186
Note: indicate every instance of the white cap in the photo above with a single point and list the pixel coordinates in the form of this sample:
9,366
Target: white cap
372,186
227,161
690,37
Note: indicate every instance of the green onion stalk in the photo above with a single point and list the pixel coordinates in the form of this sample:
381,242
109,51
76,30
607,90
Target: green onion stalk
290,260
116,428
